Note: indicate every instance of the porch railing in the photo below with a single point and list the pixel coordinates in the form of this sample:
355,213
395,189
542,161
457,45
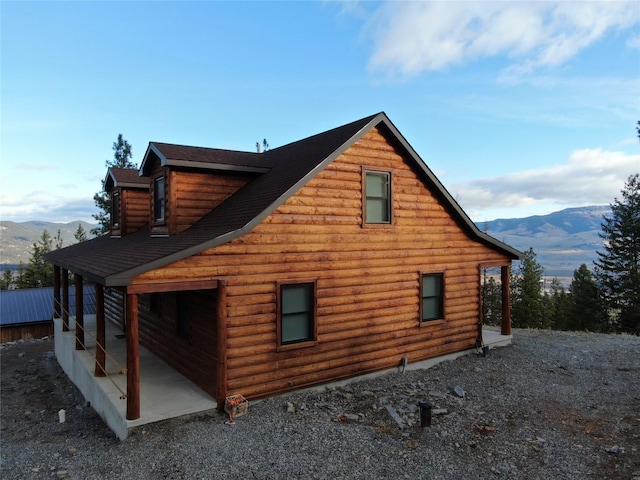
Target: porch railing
66,315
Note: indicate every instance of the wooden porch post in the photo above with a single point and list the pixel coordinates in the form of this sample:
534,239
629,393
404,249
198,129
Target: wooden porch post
56,291
100,333
79,312
65,300
505,274
221,347
133,357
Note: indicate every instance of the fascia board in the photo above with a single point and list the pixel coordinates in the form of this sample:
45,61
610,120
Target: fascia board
215,166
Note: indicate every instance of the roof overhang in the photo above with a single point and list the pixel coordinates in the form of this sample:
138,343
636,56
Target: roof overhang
154,151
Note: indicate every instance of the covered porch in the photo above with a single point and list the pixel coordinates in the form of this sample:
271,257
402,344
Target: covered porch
164,393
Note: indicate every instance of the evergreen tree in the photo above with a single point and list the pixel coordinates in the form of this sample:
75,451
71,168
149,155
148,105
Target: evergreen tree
491,301
38,272
618,266
557,307
80,234
6,281
526,295
586,312
121,159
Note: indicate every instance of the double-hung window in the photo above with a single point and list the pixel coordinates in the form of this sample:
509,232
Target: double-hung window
432,297
377,193
297,312
158,199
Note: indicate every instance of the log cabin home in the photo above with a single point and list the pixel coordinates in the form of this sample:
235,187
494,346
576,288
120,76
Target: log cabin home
332,257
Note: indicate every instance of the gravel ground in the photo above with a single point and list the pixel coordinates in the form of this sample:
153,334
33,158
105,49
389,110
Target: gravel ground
553,405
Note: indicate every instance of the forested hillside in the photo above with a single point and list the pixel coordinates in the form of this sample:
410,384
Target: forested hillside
562,240
16,239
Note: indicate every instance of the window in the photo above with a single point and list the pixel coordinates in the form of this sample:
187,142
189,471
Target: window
115,209
182,315
377,191
432,293
158,199
297,313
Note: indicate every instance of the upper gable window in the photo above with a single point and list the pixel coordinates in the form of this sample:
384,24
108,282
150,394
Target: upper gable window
115,209
158,199
377,192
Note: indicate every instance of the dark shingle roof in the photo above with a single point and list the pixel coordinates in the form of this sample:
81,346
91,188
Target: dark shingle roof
113,262
125,177
32,305
205,158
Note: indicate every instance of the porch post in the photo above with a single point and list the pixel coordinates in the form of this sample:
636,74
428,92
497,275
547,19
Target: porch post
65,300
221,347
56,291
505,274
133,357
79,312
100,370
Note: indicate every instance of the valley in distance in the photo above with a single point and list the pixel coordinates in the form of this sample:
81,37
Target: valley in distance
562,240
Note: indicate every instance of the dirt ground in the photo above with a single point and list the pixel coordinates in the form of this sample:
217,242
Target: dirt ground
552,405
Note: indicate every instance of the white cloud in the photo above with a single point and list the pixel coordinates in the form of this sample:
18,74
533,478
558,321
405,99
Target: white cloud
589,177
40,205
634,42
412,37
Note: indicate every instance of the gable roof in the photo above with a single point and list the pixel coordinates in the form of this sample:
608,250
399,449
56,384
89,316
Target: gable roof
125,177
203,158
31,305
114,262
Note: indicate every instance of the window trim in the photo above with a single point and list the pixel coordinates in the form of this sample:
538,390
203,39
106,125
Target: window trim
313,339
116,212
442,317
159,220
389,174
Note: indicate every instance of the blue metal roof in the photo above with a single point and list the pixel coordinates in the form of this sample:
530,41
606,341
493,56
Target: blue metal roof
31,305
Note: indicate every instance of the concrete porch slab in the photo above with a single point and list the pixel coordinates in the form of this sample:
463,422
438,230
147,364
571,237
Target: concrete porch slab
164,393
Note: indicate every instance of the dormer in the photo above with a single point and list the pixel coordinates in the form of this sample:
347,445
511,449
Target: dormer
129,200
186,183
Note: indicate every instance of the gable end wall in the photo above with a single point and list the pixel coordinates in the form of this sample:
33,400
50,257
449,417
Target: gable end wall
367,278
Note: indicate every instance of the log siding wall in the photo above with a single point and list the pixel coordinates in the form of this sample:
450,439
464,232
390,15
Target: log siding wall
194,357
195,194
367,278
134,206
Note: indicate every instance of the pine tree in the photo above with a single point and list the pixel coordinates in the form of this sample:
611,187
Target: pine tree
491,301
586,312
618,266
80,234
558,306
38,272
121,159
526,295
6,281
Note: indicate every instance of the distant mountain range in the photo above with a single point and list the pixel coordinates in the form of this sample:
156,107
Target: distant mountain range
16,239
562,240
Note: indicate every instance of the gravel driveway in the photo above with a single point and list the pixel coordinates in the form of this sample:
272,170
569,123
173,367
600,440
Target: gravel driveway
553,405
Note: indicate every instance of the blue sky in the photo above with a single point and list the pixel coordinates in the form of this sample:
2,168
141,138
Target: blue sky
520,108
